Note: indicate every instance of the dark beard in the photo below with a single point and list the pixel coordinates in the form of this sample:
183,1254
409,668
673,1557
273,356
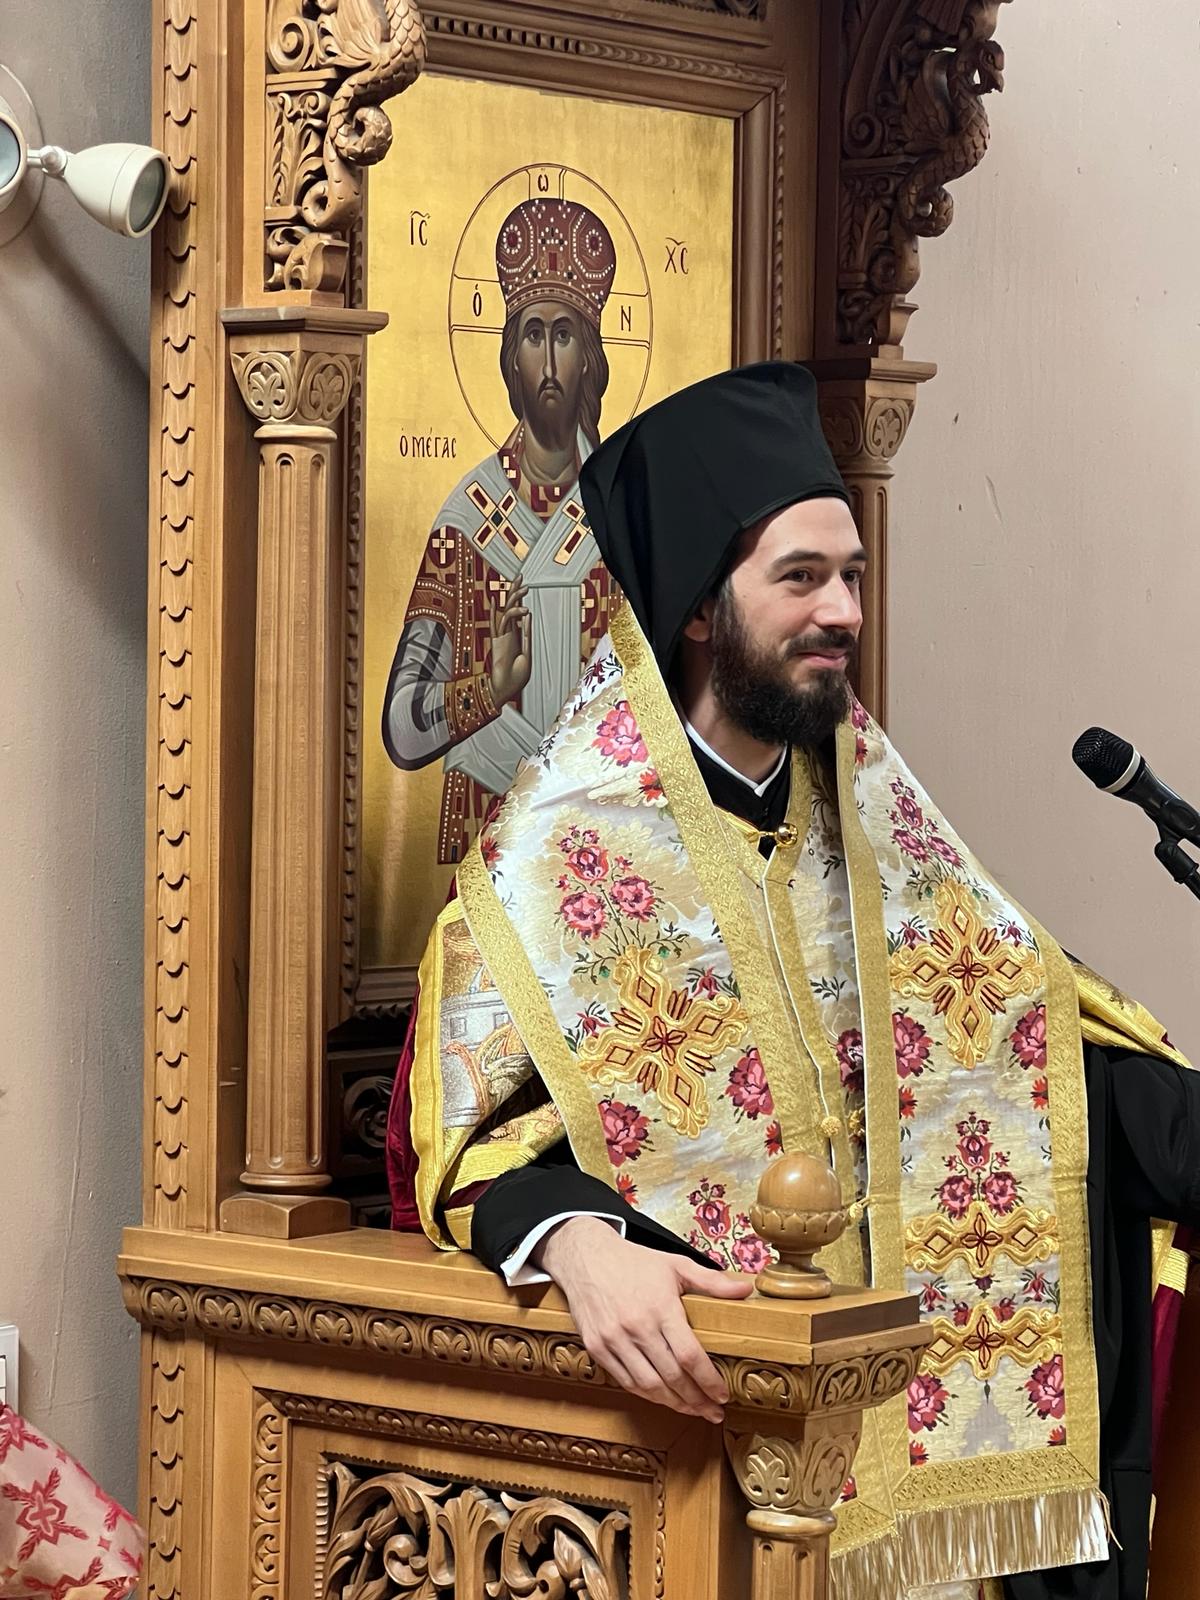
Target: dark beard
752,690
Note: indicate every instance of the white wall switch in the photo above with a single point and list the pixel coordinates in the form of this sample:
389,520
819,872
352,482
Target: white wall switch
8,1365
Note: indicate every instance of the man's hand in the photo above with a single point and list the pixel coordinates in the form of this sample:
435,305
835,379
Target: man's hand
511,659
625,1302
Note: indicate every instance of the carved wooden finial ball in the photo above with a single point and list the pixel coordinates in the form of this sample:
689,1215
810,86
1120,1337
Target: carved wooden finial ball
799,1212
799,1182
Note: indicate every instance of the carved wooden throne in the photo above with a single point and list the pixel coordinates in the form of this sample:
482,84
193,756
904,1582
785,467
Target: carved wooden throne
337,1411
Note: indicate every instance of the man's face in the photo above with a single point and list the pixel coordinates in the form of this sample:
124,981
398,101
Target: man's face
783,629
550,367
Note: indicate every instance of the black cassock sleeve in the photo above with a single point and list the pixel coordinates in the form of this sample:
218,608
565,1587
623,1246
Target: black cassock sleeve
515,1204
1143,1162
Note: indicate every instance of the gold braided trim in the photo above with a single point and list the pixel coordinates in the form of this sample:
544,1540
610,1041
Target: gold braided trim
425,1126
1055,1529
510,968
706,843
794,971
1068,1123
1173,1274
879,1049
1109,1016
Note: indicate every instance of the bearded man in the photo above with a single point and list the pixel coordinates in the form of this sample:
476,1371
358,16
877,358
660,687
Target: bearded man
717,917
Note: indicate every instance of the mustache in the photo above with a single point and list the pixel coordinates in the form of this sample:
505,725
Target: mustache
549,385
831,640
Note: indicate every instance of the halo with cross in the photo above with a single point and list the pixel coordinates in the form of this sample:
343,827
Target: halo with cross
477,307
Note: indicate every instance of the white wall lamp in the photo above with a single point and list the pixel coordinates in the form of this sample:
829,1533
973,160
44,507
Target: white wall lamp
123,186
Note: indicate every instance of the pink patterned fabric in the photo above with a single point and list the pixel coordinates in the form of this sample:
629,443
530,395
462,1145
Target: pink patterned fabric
61,1536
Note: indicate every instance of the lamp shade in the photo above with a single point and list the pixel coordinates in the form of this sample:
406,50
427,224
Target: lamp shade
123,186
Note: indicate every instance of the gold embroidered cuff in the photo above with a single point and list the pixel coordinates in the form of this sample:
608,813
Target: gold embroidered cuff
469,704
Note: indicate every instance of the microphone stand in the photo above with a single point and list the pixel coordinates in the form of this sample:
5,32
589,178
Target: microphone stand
1182,867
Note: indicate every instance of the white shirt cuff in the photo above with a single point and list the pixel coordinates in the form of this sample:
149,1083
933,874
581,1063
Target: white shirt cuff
517,1270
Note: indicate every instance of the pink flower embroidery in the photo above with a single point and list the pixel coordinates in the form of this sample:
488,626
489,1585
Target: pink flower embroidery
710,1209
584,912
1029,1038
635,897
849,1490
961,1313
1040,1095
750,1253
954,1195
713,1217
588,864
974,1149
748,1087
626,1188
940,847
706,983
917,1453
858,715
911,843
1058,1435
625,1131
1006,1309
619,737
910,812
774,1139
908,1102
850,1060
926,1403
860,750
1045,1386
651,786
489,850
912,1045
1000,1192
932,1297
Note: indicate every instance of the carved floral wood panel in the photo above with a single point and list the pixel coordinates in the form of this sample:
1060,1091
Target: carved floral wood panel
396,1533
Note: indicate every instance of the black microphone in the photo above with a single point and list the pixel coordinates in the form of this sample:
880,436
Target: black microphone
1115,766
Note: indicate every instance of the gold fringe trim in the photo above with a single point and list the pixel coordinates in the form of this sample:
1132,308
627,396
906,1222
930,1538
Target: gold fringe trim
993,1537
867,1572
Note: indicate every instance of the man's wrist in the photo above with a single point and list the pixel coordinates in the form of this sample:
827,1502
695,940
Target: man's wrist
566,1241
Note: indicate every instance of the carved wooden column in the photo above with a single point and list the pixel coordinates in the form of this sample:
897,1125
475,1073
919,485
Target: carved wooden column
295,370
866,406
793,1475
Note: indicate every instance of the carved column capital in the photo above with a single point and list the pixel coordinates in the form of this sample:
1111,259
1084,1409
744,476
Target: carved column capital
296,372
795,1476
295,389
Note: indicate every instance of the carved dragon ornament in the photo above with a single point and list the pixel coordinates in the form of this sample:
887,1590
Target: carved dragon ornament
913,120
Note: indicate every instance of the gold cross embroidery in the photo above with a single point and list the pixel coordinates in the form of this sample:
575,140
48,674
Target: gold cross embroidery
1030,1335
664,1040
967,971
932,1243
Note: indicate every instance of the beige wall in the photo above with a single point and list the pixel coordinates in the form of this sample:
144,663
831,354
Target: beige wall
1045,560
73,341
